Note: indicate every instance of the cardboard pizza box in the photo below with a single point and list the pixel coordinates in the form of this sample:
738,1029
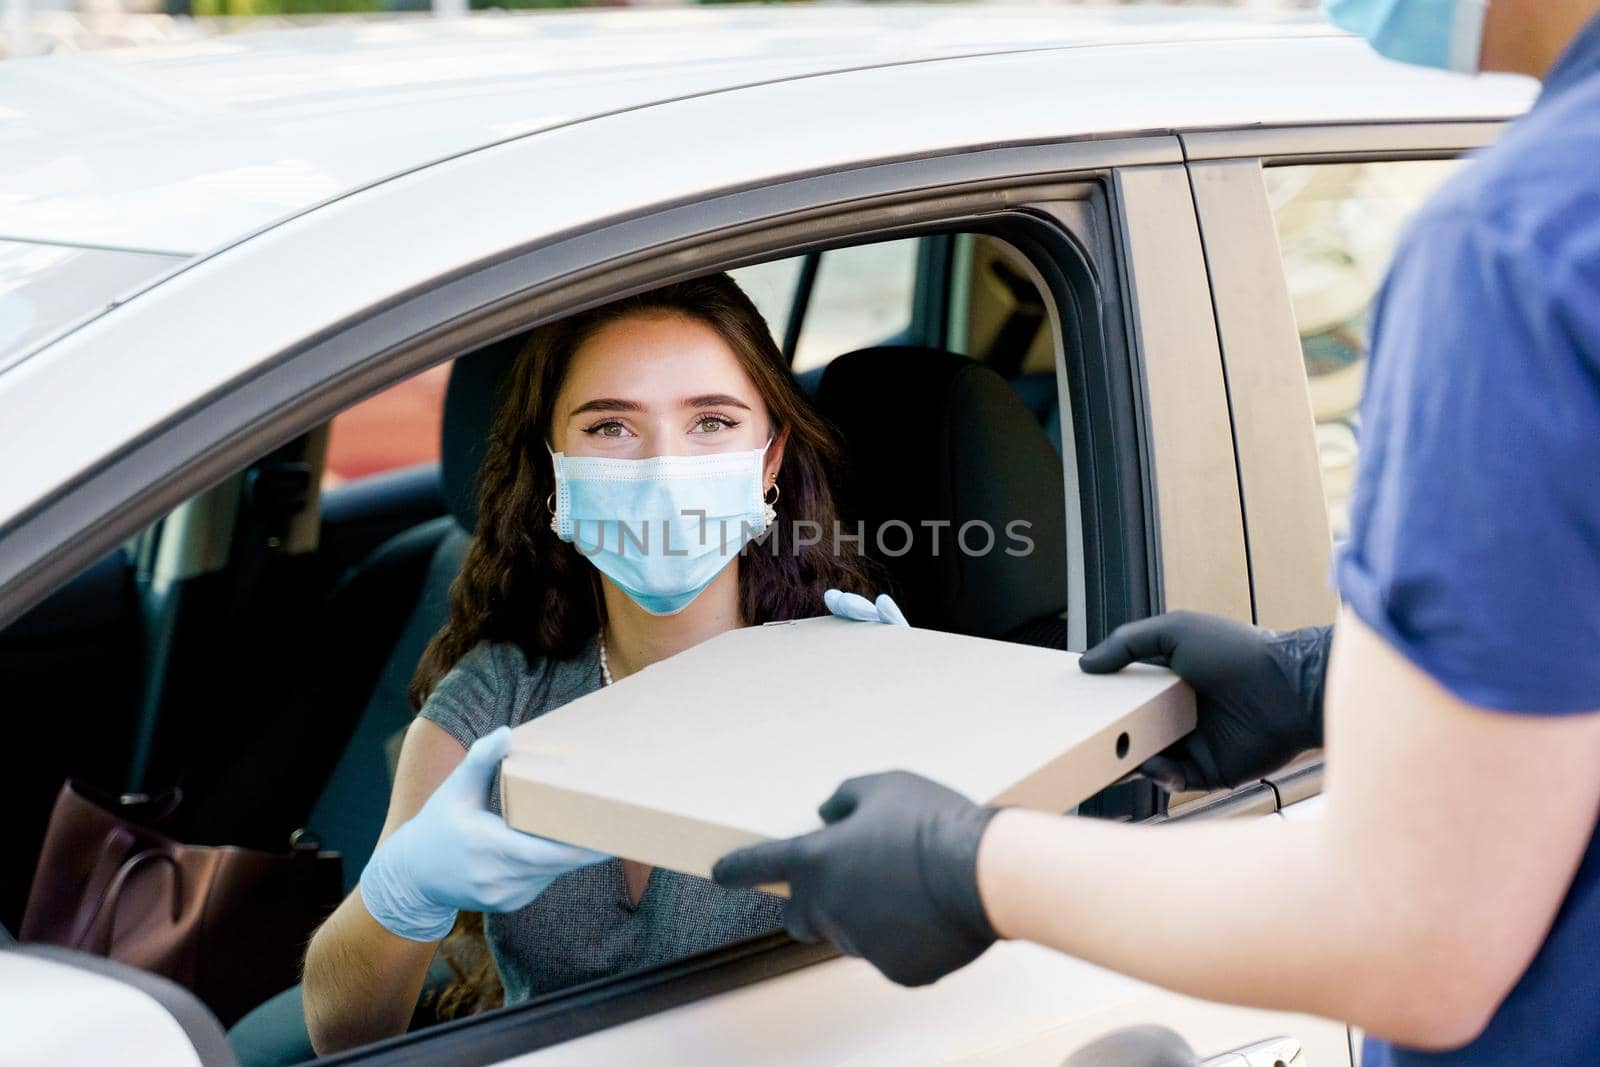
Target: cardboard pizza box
738,739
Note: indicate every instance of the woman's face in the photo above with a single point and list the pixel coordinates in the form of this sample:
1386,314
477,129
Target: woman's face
659,384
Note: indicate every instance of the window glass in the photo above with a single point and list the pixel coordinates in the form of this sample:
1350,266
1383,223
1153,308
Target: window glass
398,427
771,287
862,296
1337,226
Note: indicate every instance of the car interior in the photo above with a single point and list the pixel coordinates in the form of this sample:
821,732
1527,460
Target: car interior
256,645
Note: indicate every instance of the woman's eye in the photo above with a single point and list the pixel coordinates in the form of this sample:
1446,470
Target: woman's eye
608,429
713,424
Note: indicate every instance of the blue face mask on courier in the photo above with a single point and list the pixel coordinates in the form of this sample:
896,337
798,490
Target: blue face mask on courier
660,528
1431,33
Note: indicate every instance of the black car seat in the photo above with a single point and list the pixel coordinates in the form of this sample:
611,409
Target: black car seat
1038,392
937,443
934,437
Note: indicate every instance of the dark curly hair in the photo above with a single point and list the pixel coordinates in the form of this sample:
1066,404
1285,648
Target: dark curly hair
520,583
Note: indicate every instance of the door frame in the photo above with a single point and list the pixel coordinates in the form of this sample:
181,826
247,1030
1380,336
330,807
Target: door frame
1288,538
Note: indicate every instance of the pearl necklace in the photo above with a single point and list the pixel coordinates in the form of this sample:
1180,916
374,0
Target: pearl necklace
605,668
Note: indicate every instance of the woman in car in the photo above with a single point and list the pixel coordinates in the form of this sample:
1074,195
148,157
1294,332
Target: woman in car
638,448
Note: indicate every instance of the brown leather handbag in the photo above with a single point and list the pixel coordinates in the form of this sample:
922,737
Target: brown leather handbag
230,924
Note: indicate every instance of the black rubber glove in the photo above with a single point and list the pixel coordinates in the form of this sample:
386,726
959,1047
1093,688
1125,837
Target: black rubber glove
1260,693
892,878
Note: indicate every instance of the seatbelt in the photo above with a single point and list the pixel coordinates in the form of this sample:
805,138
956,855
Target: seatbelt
273,493
1010,346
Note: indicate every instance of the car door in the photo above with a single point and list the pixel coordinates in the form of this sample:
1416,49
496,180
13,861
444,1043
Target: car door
1154,373
1299,227
1021,1004
1144,396
1147,457
1188,261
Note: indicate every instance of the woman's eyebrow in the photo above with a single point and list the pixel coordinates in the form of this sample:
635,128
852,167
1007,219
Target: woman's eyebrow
607,403
715,400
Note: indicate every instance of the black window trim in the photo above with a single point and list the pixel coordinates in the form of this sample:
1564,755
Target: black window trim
810,265
500,1034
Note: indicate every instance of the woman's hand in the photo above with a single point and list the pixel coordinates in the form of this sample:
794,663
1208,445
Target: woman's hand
852,606
455,853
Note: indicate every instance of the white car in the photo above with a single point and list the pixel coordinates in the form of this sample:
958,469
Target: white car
212,252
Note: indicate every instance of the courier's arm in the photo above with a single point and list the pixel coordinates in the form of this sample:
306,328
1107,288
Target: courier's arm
1449,839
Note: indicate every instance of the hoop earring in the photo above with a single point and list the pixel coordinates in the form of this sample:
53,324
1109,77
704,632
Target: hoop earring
550,505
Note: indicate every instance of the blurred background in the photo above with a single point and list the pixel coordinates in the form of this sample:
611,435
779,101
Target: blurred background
35,27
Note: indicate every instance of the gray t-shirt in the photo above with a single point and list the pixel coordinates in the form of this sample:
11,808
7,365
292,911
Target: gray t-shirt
583,926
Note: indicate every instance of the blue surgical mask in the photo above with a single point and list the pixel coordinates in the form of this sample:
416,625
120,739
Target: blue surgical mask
660,528
1430,33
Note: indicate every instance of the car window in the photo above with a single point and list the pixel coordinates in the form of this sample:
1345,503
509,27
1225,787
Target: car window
398,427
315,764
862,296
858,296
771,287
1337,227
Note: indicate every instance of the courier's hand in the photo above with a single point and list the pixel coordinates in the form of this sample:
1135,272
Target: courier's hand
1260,693
892,878
455,853
857,607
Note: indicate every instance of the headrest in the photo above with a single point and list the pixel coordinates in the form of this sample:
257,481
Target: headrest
476,380
932,437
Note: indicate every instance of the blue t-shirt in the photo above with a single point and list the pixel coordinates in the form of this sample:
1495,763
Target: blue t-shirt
1475,545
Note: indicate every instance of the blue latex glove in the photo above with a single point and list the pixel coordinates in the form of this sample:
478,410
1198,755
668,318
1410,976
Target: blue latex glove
455,853
853,606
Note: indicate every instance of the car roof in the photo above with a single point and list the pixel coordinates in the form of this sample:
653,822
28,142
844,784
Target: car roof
180,148
136,359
